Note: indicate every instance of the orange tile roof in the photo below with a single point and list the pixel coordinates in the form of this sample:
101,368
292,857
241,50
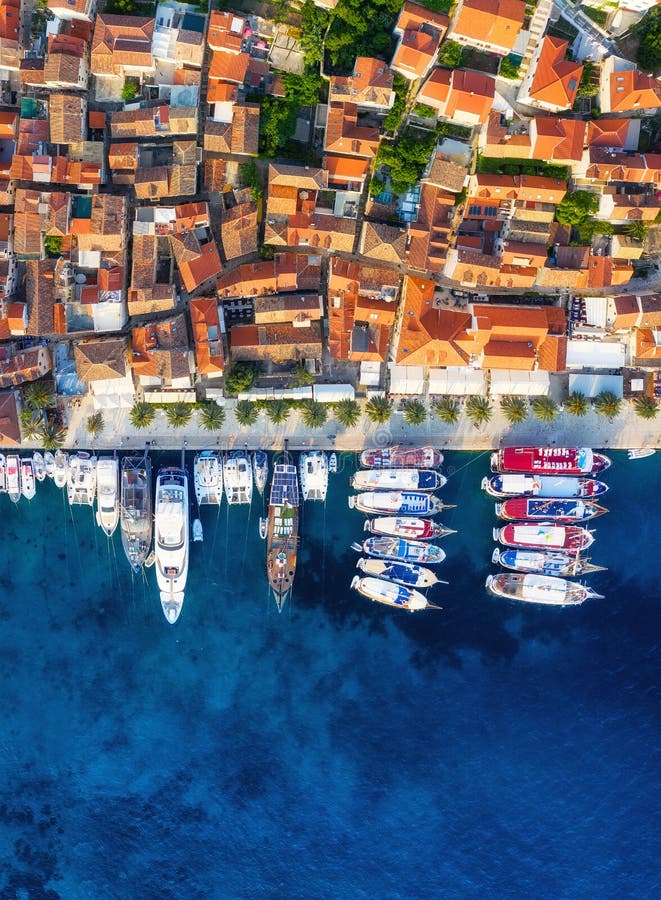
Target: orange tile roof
225,31
492,22
557,139
428,336
208,344
413,15
415,52
222,92
634,90
10,11
472,93
344,134
229,66
96,118
556,79
345,169
436,88
608,132
552,353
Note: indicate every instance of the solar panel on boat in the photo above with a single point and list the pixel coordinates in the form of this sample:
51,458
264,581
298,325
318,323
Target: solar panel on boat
284,487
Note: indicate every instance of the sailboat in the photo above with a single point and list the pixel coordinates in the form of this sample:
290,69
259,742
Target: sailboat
107,494
172,538
13,474
28,485
81,479
208,478
313,469
260,470
237,475
282,530
408,574
136,509
60,469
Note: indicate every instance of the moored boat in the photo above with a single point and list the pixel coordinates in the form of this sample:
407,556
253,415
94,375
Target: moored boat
13,477
260,470
641,452
537,562
28,484
39,466
408,574
399,549
407,527
107,494
397,480
332,463
3,474
171,545
282,530
551,510
401,457
313,470
237,476
544,536
549,460
136,522
81,479
208,478
391,594
49,464
402,503
60,468
198,531
544,589
513,485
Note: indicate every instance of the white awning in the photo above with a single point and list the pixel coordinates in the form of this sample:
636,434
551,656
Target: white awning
519,384
591,385
370,373
595,354
333,393
595,311
170,396
406,379
456,381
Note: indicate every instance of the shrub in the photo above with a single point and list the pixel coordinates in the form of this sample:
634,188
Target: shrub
53,244
241,377
509,69
250,177
576,206
450,54
129,91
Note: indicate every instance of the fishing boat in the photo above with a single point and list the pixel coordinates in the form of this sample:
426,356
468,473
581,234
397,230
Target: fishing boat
332,463
549,460
408,574
513,485
544,536
641,452
81,479
135,515
399,549
39,466
107,494
49,464
208,478
28,484
397,480
237,475
282,530
391,594
171,539
536,562
402,503
313,471
13,477
198,532
3,474
260,470
539,589
407,527
60,468
551,510
401,457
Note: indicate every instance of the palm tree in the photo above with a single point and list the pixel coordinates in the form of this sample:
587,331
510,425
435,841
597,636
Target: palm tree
246,413
212,416
301,376
478,410
515,409
179,414
52,436
95,424
313,413
545,408
347,413
39,394
448,410
277,411
142,414
30,423
645,407
608,404
577,404
378,409
414,411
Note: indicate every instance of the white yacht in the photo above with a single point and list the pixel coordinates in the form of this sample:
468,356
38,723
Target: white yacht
208,478
237,475
60,468
313,469
260,470
49,464
28,484
107,494
172,539
39,466
13,477
81,479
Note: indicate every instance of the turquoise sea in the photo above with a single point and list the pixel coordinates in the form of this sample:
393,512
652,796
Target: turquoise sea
341,749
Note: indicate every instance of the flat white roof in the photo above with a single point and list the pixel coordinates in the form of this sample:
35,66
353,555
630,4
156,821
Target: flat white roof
595,354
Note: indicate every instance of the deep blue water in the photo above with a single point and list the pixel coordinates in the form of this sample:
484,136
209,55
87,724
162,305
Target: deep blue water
341,749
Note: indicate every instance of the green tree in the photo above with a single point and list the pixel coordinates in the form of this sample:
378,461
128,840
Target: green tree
478,410
277,411
649,48
250,177
95,424
576,206
347,413
406,157
378,409
241,377
314,22
545,408
608,404
129,91
142,414
212,416
646,407
447,410
246,413
450,54
301,376
361,28
637,231
414,412
396,112
31,424
427,112
179,414
39,394
52,436
53,244
313,413
576,404
588,86
515,409
509,69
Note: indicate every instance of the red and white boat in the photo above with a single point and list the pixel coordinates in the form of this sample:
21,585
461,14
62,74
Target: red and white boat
544,536
401,458
407,527
545,510
549,460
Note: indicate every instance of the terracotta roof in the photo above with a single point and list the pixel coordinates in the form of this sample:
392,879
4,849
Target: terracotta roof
421,32
427,334
215,177
229,66
346,170
153,121
447,174
519,253
413,15
344,134
385,242
552,354
492,22
64,63
557,139
66,118
369,84
297,176
634,90
120,41
646,345
241,135
197,262
207,336
281,340
10,431
556,78
225,31
608,132
40,296
471,93
436,89
239,226
161,349
123,156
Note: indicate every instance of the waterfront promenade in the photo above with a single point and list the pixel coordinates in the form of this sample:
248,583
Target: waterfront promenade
627,430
